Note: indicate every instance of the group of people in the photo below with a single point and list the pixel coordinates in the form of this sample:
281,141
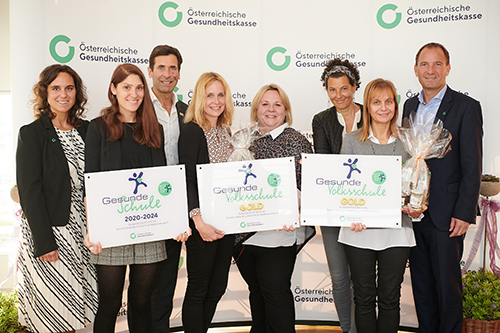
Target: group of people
67,281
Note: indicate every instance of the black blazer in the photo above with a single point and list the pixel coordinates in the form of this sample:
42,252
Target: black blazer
193,149
327,131
456,178
104,155
43,181
181,111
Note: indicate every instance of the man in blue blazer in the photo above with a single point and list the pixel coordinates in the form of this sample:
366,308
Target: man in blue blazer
453,195
164,68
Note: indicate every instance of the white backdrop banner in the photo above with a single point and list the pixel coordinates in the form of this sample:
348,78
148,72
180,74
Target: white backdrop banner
252,43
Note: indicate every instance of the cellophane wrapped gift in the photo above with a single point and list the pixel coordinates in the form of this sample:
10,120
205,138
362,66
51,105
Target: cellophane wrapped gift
241,141
423,139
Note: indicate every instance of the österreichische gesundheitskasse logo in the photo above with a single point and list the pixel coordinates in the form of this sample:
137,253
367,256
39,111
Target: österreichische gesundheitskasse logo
205,16
56,56
62,51
270,62
389,17
161,14
278,59
380,16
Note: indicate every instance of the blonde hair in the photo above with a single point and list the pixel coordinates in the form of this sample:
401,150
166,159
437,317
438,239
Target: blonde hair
196,109
284,99
372,89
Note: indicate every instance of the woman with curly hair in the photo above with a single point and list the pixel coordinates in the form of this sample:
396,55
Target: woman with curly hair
341,80
57,284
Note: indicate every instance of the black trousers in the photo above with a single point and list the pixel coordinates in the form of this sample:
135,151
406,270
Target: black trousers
436,278
208,270
162,300
377,278
268,272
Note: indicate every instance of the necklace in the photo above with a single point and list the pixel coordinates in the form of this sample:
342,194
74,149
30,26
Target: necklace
393,148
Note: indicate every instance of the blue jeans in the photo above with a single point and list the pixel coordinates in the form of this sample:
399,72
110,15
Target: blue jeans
339,272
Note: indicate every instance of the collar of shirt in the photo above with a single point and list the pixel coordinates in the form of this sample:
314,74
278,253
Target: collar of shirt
157,103
277,131
373,139
439,96
357,118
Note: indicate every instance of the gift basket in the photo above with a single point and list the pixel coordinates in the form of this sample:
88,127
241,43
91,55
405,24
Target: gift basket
241,141
423,139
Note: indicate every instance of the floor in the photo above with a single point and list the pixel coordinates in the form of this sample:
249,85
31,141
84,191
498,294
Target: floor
299,329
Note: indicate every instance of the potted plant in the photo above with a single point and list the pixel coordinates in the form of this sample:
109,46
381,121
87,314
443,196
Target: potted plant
8,313
481,302
490,185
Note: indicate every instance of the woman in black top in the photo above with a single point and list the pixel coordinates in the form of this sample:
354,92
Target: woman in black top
341,80
57,284
205,139
127,135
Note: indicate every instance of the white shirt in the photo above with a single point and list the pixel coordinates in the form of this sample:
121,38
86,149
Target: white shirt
357,118
171,130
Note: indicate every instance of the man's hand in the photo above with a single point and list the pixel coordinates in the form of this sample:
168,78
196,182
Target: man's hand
458,227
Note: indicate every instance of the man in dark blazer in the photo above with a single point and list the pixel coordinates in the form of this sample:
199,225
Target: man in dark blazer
453,194
164,68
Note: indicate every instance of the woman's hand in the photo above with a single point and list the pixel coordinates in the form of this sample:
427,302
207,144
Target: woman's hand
207,232
182,237
94,248
288,228
357,226
412,212
50,257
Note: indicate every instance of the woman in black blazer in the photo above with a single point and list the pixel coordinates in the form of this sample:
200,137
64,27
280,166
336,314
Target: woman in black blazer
127,135
341,80
57,284
205,139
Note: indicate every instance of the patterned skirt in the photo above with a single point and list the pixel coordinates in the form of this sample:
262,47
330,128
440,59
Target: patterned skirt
59,296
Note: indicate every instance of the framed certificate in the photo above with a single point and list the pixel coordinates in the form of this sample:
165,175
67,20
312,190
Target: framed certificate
246,196
338,190
136,205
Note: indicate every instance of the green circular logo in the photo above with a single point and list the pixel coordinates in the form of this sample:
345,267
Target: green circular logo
380,15
274,180
342,218
243,224
271,64
379,177
52,49
161,16
133,235
165,188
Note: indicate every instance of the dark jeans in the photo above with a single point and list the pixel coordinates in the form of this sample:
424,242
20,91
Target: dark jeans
142,281
377,278
164,293
268,272
436,278
208,270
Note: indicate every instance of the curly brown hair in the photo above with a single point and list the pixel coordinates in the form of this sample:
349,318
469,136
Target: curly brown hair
39,99
353,81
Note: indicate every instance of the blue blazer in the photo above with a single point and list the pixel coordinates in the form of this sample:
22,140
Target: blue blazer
43,181
456,178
